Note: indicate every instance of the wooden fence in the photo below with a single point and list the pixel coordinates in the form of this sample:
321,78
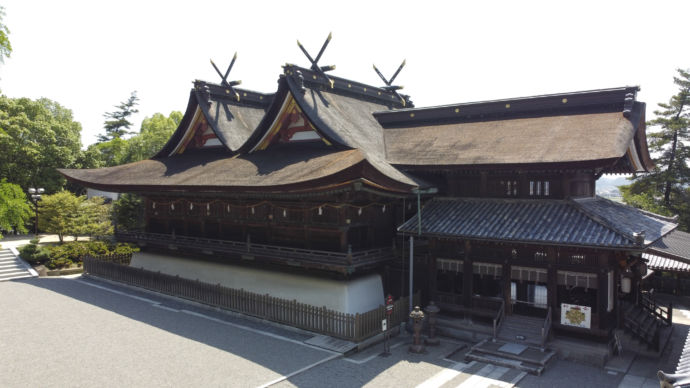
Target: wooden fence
353,327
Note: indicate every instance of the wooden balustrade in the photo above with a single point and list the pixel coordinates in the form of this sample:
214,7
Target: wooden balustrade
344,261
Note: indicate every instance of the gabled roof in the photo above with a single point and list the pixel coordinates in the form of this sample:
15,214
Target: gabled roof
674,245
595,222
232,121
600,125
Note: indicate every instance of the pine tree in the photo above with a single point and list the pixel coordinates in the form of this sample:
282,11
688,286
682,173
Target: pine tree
667,188
5,46
117,123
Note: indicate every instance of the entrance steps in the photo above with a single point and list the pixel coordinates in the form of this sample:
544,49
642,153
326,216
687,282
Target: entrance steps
525,358
12,267
521,329
462,329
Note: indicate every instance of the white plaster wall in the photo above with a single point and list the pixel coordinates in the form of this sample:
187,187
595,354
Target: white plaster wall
105,194
351,296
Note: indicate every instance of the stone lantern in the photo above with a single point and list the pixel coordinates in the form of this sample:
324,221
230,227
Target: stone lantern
432,311
417,316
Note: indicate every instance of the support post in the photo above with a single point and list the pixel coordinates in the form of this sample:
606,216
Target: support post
411,271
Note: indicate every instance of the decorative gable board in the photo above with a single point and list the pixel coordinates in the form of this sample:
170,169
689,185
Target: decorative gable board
197,135
291,125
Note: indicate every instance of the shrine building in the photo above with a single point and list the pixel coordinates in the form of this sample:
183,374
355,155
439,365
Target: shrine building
324,189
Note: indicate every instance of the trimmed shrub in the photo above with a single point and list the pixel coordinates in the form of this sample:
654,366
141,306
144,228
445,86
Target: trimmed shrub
34,254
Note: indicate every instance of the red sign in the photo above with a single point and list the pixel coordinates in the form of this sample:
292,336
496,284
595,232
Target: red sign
389,305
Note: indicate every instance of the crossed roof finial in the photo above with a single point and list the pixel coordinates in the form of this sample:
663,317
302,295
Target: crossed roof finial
314,61
389,82
224,78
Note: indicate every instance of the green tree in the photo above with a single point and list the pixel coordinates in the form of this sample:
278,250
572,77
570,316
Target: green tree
117,123
58,213
5,46
665,189
15,211
155,132
109,153
36,137
128,211
93,219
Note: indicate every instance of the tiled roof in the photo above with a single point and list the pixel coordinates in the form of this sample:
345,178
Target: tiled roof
627,219
597,222
675,244
658,263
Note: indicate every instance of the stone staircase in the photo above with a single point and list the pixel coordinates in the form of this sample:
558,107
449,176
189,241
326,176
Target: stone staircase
522,330
644,330
12,267
525,358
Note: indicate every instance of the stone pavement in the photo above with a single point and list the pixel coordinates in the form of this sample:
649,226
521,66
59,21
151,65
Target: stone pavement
72,332
84,332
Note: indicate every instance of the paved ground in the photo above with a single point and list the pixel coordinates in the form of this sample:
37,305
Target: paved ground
23,239
70,332
82,332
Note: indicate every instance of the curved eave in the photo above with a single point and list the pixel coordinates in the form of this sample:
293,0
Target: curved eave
354,169
179,133
640,138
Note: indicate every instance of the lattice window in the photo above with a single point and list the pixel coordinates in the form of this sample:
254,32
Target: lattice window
539,188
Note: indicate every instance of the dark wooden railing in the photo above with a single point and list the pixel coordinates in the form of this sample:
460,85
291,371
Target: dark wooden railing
498,320
353,327
546,329
343,261
665,313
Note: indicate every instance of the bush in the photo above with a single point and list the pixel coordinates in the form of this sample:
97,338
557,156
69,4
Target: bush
34,241
125,249
34,254
59,263
65,255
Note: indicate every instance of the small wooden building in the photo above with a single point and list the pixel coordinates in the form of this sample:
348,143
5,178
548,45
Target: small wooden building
325,177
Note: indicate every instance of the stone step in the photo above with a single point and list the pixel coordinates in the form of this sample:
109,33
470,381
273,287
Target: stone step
13,275
11,266
528,367
6,270
21,275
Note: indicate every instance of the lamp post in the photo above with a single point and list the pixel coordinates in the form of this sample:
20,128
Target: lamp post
35,197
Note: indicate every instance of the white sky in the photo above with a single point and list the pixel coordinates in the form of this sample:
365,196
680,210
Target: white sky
89,55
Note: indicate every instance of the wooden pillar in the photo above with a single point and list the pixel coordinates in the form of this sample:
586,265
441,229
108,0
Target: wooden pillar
343,240
483,184
467,276
523,184
602,298
431,271
506,287
431,275
565,182
552,287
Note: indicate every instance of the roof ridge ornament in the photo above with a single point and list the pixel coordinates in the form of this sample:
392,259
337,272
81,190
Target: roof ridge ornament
224,78
389,82
314,61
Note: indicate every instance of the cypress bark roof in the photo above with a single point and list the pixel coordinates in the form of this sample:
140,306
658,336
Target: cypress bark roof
603,125
290,168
